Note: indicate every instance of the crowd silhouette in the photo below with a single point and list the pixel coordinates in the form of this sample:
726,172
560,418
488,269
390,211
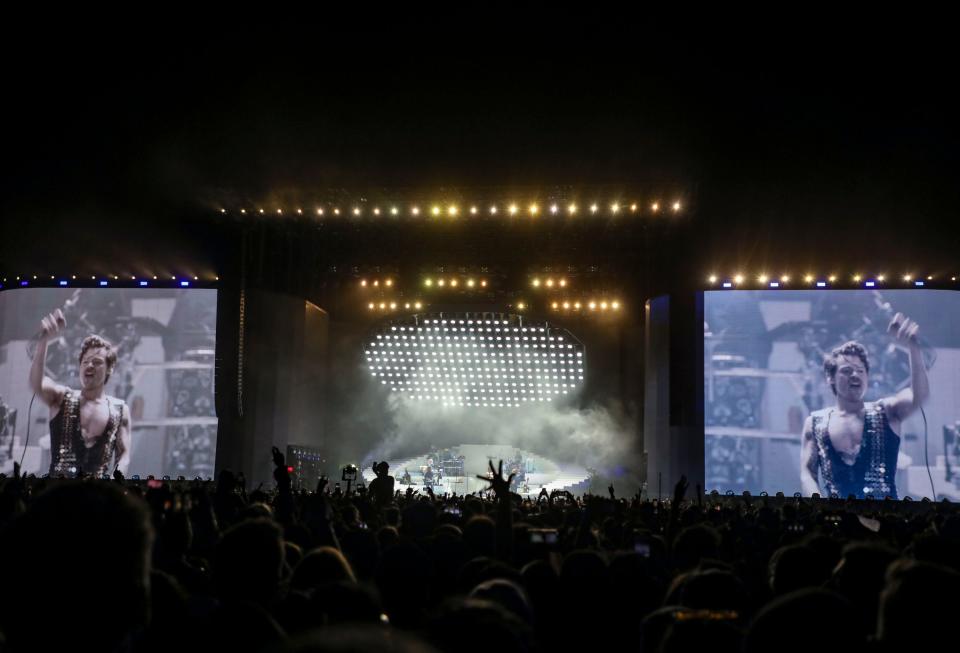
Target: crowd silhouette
125,565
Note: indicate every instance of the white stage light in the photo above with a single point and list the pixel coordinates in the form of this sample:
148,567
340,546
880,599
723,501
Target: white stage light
438,359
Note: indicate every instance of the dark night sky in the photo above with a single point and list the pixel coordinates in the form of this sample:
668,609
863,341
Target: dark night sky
808,147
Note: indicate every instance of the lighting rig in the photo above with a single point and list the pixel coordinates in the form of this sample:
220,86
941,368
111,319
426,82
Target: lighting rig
476,359
110,280
811,280
555,207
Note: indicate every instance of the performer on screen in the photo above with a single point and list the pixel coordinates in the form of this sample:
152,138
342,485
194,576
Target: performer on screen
853,445
89,429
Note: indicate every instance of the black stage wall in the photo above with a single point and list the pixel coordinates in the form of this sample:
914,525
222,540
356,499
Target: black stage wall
272,375
673,416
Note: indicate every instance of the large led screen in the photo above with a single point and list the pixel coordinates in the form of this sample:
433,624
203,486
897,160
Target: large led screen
836,392
96,380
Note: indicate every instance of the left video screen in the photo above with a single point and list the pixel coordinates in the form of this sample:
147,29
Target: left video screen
94,380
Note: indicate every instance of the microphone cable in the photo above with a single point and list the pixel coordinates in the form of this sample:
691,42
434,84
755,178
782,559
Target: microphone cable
926,454
26,438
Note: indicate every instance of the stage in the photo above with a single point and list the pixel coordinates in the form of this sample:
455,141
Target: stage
538,472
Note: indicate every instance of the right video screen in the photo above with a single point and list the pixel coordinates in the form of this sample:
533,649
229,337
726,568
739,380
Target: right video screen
838,392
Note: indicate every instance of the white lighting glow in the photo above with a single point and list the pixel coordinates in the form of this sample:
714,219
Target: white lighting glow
475,363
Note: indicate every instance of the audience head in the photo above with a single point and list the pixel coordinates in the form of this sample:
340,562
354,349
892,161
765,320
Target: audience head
77,568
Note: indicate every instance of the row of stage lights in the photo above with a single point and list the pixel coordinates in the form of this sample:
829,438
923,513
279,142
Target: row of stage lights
454,282
429,282
567,306
376,283
533,209
740,280
394,306
592,305
549,282
104,281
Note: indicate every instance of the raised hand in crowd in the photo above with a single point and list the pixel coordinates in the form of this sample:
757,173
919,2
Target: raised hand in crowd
499,485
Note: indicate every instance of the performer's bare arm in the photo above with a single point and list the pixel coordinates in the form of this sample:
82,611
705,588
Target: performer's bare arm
904,403
808,460
50,392
123,440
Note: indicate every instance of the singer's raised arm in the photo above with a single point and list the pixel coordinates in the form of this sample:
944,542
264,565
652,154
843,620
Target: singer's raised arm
49,391
904,403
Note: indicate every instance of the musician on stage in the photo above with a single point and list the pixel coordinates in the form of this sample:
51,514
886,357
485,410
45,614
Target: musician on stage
853,445
89,430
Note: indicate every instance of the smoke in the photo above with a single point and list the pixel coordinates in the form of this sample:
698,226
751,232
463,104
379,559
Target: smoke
596,437
369,422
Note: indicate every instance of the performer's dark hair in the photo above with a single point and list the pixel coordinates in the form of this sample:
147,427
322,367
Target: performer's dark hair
96,342
851,348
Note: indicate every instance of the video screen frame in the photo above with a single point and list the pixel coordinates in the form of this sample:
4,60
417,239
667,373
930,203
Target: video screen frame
159,412
769,411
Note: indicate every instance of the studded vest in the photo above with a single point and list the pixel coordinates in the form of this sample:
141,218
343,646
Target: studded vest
68,451
872,473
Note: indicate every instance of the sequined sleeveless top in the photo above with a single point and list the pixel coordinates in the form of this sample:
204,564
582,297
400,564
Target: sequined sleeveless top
68,451
872,473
